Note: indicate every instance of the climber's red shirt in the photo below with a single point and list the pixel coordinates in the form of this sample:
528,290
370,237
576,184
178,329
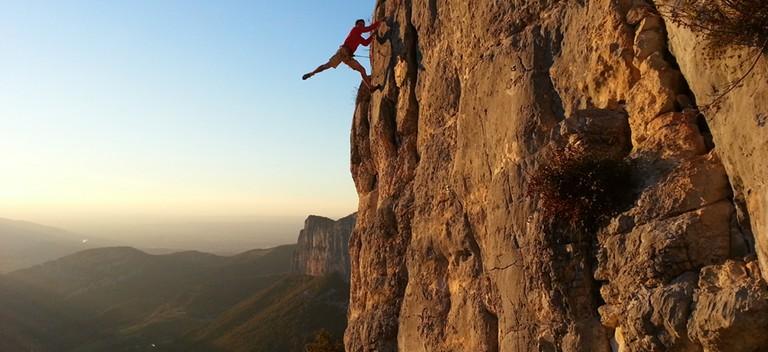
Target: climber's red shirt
355,38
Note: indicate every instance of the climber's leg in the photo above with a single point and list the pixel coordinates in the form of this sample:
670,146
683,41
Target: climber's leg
319,69
333,62
355,65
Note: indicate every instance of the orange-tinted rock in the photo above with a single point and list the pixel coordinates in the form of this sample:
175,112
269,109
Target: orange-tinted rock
323,246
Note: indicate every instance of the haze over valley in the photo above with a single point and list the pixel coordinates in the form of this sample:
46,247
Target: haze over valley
121,298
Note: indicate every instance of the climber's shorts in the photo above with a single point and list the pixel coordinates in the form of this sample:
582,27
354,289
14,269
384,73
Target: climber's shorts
342,55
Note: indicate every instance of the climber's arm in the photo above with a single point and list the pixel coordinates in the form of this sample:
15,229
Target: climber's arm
367,41
372,27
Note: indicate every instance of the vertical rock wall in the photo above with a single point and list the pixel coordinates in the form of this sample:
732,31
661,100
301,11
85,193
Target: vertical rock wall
739,120
450,254
322,247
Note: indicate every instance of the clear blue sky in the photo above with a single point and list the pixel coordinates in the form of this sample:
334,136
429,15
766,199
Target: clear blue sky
177,108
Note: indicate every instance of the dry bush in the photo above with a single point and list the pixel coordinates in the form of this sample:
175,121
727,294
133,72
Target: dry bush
581,192
723,22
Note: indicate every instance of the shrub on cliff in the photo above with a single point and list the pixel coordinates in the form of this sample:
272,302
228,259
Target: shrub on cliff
581,191
723,22
324,342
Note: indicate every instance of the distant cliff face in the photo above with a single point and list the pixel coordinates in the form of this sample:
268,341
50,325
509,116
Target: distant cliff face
449,253
323,246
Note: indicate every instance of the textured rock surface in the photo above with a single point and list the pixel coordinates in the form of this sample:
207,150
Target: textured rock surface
449,254
739,122
322,247
731,308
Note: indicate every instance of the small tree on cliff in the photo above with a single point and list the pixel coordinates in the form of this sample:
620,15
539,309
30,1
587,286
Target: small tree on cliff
324,342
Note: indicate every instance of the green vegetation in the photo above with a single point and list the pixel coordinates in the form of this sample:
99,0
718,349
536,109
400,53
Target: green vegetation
324,342
579,192
122,299
282,317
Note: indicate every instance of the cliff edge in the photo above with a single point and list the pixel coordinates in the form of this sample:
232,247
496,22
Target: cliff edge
452,253
322,247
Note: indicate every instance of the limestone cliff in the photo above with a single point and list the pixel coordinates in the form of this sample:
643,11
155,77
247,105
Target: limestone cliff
449,253
322,247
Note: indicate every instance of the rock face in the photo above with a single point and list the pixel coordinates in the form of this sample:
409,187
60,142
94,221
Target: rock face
739,122
322,247
449,253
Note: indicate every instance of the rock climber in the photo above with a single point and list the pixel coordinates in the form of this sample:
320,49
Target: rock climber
346,52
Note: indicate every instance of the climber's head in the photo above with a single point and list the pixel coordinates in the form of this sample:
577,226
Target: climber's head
360,23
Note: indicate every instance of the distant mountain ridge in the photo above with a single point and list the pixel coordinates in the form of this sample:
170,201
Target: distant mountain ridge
124,299
129,297
281,317
23,244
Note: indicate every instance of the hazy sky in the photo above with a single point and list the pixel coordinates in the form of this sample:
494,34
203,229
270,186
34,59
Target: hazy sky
174,108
